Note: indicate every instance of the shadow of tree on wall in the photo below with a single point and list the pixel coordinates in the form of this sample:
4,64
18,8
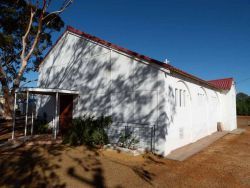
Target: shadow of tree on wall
133,95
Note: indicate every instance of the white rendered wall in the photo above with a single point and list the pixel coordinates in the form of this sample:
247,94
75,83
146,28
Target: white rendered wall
199,117
135,94
228,113
110,83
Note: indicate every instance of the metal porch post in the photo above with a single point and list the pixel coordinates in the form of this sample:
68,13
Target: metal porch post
26,115
14,117
32,118
32,124
56,116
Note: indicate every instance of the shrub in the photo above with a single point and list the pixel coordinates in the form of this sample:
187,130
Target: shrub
41,127
127,140
88,130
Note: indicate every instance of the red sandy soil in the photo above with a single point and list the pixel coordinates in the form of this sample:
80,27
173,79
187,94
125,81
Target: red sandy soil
226,163
243,121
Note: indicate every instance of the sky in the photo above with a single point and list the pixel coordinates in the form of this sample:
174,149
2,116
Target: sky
207,38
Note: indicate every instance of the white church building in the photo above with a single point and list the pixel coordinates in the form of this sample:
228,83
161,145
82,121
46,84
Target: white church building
165,107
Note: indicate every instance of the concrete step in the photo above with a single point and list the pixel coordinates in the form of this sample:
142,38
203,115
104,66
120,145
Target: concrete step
189,150
237,131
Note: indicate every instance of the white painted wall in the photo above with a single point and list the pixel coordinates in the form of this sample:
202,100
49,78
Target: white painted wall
203,109
136,94
228,109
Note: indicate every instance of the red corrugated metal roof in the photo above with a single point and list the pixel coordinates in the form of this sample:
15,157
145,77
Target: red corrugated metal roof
137,55
224,84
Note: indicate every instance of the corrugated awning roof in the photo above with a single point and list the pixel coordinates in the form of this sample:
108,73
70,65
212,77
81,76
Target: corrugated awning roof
46,91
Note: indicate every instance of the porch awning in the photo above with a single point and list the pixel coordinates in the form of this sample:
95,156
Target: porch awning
46,91
41,91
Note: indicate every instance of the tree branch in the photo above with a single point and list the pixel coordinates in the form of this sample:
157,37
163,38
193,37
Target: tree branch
58,11
36,39
24,59
26,56
35,80
24,38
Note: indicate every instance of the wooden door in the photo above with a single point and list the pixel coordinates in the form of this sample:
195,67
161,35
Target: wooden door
66,111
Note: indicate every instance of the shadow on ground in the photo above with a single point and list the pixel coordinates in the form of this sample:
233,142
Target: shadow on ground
225,163
57,165
6,129
39,166
28,167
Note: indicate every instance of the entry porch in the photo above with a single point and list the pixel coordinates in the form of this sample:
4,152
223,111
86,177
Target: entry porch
63,109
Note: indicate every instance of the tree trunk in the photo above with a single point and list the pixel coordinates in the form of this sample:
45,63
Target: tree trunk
8,103
8,97
8,106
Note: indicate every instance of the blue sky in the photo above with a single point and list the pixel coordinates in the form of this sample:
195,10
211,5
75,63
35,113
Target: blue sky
207,38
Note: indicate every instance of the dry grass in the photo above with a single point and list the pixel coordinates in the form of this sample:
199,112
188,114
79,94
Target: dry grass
225,163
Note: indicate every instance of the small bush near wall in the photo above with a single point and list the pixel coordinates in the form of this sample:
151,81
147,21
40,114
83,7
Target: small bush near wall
127,140
41,127
88,130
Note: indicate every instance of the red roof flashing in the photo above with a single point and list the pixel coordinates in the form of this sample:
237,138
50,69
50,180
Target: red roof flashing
142,57
224,84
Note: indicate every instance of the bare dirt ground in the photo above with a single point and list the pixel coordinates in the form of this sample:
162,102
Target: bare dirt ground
242,121
226,163
6,129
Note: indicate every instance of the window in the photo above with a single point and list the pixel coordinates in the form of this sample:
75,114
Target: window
201,98
176,94
184,98
180,93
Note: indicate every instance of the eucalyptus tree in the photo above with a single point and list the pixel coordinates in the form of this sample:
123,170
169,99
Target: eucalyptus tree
25,33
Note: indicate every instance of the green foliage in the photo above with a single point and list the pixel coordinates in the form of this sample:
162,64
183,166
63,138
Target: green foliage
14,19
243,104
88,130
41,127
127,140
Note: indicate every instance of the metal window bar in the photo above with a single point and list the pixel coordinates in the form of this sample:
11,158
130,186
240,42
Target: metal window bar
130,128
